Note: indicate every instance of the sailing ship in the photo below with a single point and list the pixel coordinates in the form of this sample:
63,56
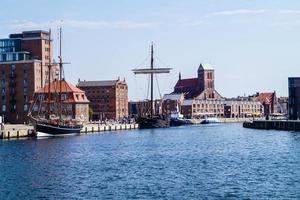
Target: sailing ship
152,120
52,123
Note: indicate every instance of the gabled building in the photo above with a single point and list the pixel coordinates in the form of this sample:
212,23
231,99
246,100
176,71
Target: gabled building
201,87
269,102
75,104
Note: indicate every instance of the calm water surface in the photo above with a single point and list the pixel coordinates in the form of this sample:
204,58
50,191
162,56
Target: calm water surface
198,162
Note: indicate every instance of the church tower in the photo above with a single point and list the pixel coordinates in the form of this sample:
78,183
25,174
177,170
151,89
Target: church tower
206,78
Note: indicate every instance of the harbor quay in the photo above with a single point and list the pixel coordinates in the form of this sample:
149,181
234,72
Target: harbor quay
285,125
9,131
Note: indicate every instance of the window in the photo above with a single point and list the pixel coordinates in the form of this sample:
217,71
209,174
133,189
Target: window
25,91
3,108
25,99
25,107
25,83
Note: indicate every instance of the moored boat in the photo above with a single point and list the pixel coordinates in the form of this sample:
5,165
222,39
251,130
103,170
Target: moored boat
151,120
177,119
48,129
210,120
51,103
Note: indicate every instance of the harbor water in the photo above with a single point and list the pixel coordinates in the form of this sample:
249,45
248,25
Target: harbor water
222,161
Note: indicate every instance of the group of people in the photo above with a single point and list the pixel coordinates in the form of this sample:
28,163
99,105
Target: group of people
125,120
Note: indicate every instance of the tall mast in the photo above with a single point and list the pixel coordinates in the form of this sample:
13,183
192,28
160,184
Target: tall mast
49,75
151,82
152,71
60,75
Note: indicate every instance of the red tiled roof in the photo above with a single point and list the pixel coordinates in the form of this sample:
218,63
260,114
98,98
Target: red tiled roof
55,87
191,82
266,97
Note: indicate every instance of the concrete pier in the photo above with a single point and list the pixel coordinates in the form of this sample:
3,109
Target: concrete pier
95,128
23,131
286,125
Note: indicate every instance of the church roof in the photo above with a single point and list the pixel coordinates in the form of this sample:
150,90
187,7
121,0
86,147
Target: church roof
206,66
191,82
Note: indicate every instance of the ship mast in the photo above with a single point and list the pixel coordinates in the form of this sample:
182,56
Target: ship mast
49,76
151,82
60,76
152,71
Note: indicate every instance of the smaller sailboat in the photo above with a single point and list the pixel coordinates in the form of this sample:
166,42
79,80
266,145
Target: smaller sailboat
46,111
152,120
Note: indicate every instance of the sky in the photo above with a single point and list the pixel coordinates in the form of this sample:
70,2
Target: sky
254,45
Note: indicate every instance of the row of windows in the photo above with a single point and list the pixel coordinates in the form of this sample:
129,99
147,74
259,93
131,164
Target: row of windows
14,57
10,43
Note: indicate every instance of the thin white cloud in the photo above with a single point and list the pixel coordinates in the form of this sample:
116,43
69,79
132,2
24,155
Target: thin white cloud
237,12
126,24
289,12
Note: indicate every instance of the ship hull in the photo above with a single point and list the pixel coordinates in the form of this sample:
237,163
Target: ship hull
179,122
149,123
48,130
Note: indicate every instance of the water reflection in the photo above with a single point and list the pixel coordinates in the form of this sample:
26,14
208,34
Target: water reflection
214,162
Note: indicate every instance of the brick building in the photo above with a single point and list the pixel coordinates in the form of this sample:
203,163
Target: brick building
171,103
75,104
200,108
202,87
23,63
108,99
269,102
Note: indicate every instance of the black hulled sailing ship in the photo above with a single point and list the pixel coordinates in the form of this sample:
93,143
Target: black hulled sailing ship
152,120
52,122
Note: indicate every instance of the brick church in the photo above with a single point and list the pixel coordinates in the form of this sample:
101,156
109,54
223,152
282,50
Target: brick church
202,87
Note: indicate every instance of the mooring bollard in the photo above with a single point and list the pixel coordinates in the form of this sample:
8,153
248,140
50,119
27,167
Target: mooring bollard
8,135
18,134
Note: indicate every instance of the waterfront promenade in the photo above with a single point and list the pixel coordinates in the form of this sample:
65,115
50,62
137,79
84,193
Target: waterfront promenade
10,131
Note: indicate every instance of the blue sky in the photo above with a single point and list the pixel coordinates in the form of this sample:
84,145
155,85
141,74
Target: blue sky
254,45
